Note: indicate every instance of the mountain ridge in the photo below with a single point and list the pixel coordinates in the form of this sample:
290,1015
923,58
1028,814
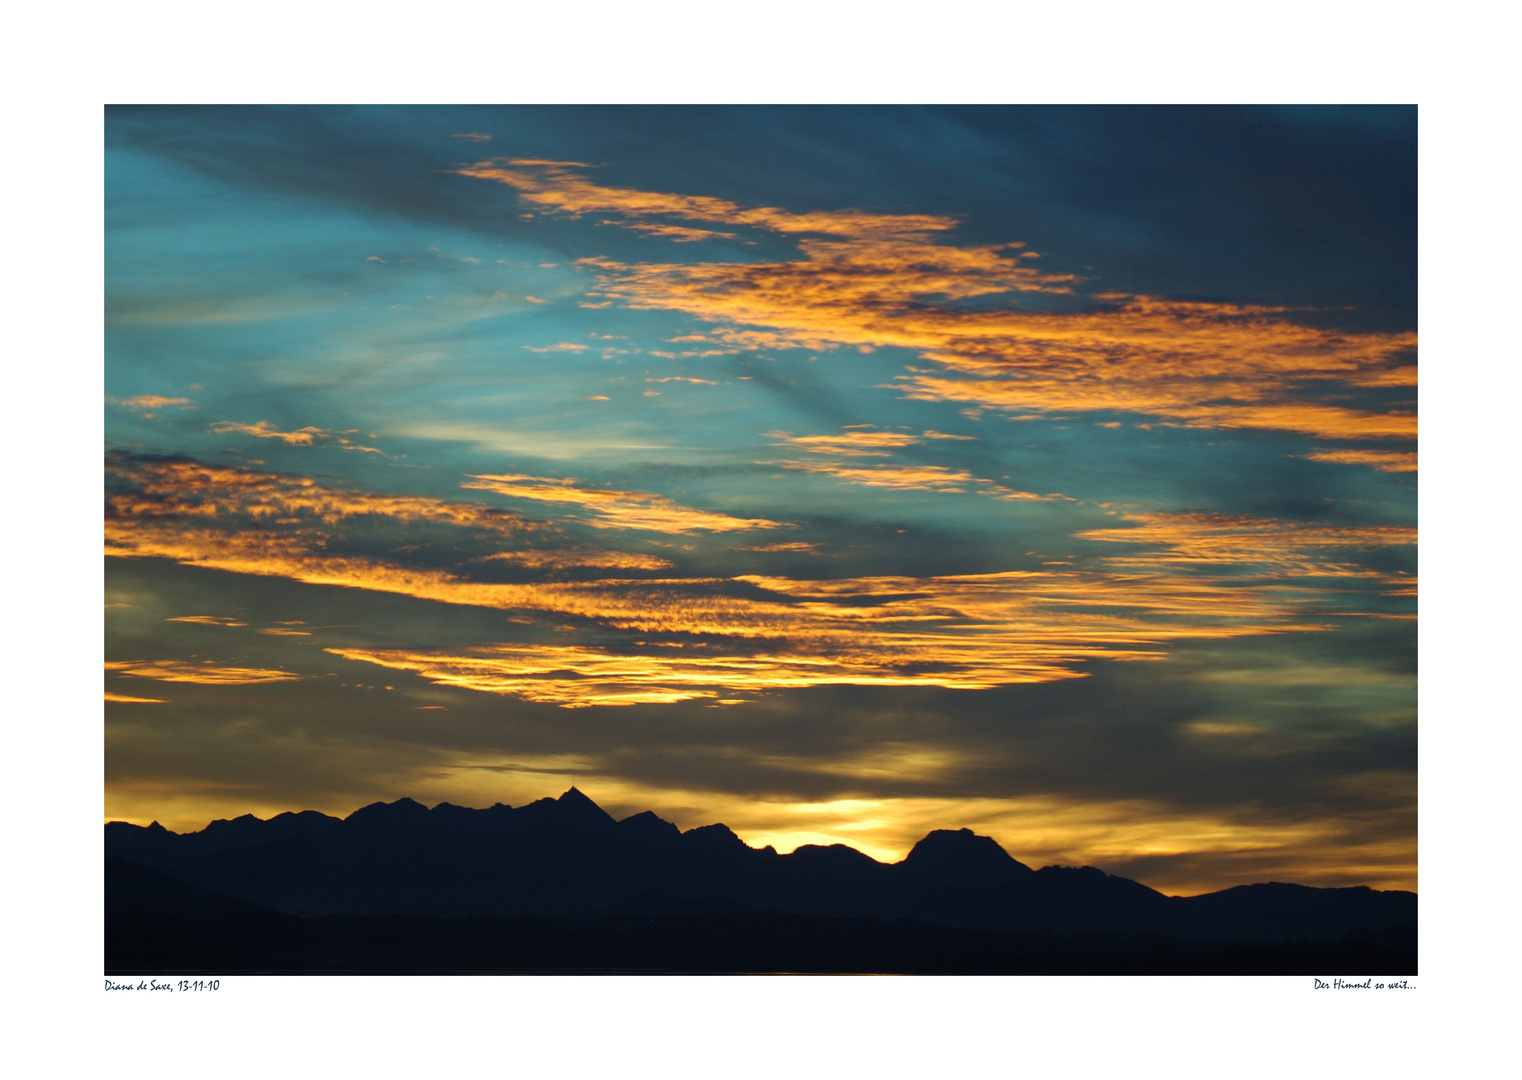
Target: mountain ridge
566,857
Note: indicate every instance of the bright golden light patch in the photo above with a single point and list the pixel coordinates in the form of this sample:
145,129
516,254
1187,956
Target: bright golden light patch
128,700
617,509
1209,849
188,671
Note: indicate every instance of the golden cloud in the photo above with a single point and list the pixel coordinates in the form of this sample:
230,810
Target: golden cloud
711,638
616,509
858,443
188,672
567,560
869,280
1265,545
1383,460
915,478
680,234
265,430
153,401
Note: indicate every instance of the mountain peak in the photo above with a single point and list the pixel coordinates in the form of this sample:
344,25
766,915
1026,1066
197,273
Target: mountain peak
402,809
577,806
961,849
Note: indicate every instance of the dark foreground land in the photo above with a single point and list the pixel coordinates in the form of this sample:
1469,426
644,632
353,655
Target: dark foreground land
273,943
558,886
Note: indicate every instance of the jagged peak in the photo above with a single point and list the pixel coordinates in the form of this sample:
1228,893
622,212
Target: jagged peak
717,834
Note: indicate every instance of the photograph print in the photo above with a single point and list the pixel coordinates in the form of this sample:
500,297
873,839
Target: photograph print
677,540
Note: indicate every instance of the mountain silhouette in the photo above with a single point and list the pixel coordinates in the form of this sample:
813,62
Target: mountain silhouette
567,859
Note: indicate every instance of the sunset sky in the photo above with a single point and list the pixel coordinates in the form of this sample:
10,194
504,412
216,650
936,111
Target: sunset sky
837,474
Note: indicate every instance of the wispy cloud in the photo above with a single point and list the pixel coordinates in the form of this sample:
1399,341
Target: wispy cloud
567,560
186,671
305,436
265,430
1207,576
795,546
206,620
1264,545
128,699
915,478
861,441
153,401
873,280
680,234
960,632
1384,460
616,509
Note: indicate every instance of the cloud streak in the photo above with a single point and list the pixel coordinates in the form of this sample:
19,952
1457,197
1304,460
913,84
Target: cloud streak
872,280
1209,577
606,509
206,673
1392,461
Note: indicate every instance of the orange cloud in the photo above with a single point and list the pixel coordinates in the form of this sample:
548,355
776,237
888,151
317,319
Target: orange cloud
553,186
960,632
1383,460
153,401
870,280
196,491
565,560
265,430
188,672
714,638
1263,544
680,234
206,620
616,509
859,443
915,478
129,700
